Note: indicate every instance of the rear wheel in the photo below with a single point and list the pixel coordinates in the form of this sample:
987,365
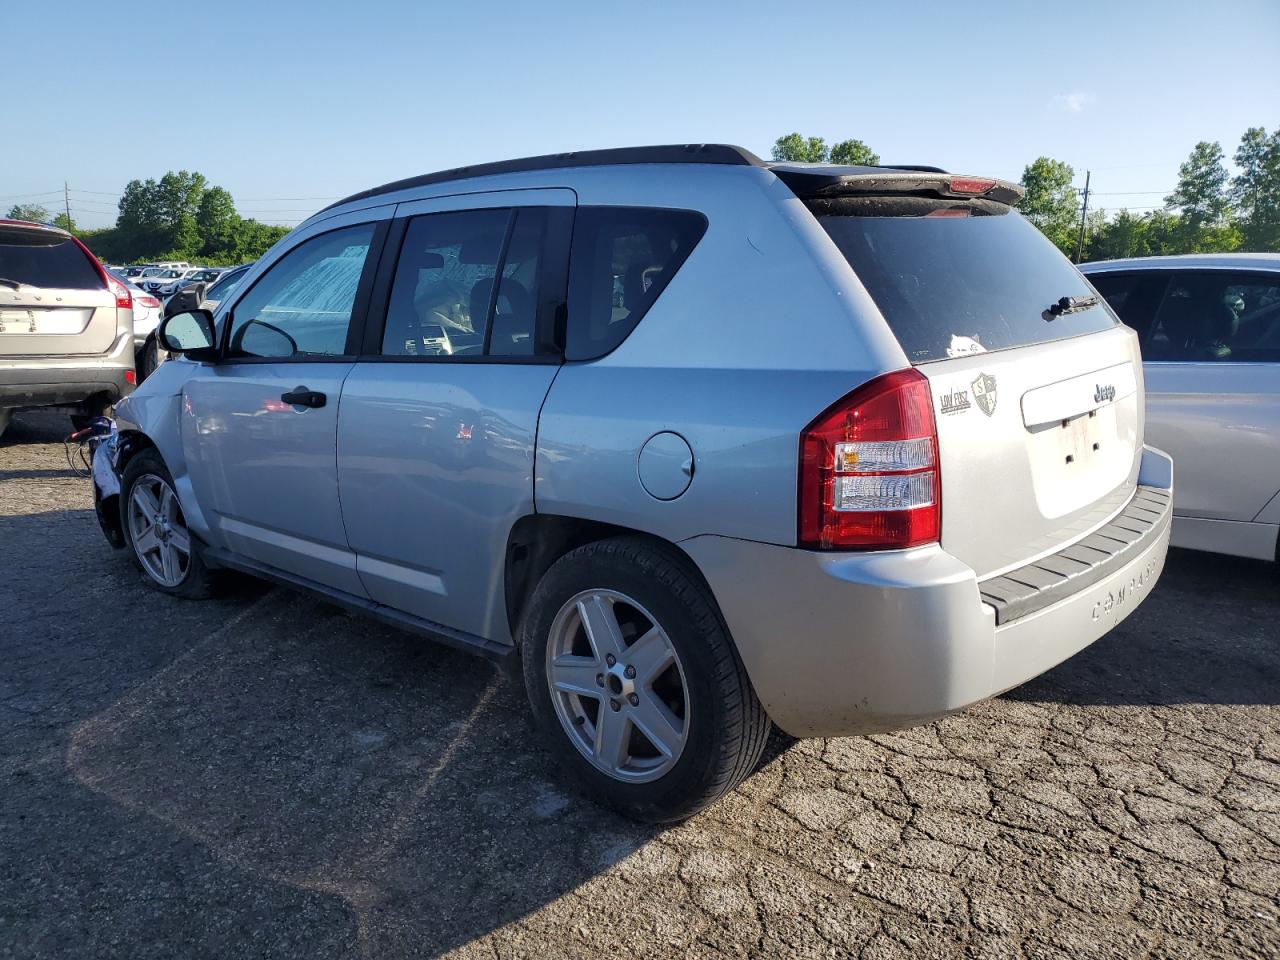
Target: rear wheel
155,529
635,682
150,357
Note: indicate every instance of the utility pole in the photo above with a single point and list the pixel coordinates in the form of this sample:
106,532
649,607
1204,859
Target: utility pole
1084,212
66,199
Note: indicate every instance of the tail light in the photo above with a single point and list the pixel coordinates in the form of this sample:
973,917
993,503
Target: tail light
973,185
869,475
124,298
151,303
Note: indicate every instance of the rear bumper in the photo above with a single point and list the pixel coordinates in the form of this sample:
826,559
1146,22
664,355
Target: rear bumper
48,381
839,644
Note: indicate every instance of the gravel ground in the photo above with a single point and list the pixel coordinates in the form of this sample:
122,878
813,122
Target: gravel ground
262,775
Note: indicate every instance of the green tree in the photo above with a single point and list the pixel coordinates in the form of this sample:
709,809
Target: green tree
138,224
217,222
178,199
29,211
1124,235
64,222
1256,189
854,153
1051,202
1201,195
800,149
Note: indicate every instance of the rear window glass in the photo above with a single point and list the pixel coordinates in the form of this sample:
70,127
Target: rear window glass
955,279
26,257
622,259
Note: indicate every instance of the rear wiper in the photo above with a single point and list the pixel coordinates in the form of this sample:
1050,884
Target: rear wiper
1070,305
12,283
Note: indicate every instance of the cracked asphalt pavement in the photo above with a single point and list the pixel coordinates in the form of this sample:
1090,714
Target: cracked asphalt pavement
262,775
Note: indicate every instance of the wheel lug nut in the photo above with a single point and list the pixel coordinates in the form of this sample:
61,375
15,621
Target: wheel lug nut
610,659
630,673
599,679
633,699
615,706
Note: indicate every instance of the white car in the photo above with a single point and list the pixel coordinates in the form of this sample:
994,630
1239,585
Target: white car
1210,331
146,314
173,280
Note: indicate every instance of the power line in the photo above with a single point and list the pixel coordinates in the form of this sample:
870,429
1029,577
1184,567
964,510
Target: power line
19,196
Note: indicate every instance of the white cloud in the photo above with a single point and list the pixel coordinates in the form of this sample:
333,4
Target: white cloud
1073,102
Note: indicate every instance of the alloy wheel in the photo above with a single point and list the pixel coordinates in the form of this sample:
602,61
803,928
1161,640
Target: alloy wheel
158,530
618,686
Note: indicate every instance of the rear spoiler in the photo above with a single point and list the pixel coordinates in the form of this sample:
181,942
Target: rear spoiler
828,182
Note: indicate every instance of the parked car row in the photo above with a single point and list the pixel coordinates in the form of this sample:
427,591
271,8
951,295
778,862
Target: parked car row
165,279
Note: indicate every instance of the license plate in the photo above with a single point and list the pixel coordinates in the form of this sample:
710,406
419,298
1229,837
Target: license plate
17,321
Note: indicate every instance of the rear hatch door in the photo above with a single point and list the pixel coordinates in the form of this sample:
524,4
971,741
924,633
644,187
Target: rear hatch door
53,298
1037,387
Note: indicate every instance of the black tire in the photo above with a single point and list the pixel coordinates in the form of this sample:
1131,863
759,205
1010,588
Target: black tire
198,581
149,358
6,417
726,725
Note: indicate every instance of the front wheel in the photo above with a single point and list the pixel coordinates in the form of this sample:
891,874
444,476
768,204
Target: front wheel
635,682
156,530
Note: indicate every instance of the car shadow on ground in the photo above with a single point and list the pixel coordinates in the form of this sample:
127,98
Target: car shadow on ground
1208,633
310,749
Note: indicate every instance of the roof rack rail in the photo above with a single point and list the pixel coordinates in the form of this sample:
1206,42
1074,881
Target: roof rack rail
715,153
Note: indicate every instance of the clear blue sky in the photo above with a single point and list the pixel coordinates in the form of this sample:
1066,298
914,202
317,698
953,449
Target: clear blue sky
320,99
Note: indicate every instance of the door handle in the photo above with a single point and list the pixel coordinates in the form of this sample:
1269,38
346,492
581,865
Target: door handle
302,397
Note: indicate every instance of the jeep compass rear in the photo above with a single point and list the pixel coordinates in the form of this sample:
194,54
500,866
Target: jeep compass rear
712,443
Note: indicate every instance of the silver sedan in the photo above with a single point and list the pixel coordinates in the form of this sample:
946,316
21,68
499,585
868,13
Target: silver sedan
1210,332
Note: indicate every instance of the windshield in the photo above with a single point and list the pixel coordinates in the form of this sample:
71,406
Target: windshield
955,278
224,287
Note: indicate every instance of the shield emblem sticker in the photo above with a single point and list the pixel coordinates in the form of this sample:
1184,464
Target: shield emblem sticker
984,393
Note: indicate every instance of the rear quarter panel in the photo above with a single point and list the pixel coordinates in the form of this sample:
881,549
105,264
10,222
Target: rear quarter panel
762,328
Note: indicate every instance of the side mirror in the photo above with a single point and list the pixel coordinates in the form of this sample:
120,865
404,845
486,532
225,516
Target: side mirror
191,333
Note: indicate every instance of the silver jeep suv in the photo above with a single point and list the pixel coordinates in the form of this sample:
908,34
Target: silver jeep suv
715,443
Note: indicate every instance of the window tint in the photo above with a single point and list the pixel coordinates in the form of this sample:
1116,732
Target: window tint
515,310
28,257
947,276
1219,317
622,258
1133,296
443,286
303,304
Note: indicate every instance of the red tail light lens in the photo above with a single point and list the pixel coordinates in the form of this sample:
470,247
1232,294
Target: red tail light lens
124,298
869,475
974,185
151,303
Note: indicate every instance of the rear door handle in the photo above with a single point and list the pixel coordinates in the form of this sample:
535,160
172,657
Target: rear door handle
302,397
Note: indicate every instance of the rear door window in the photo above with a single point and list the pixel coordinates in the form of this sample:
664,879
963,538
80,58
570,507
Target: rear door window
954,278
469,283
1133,296
1217,317
621,261
37,258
